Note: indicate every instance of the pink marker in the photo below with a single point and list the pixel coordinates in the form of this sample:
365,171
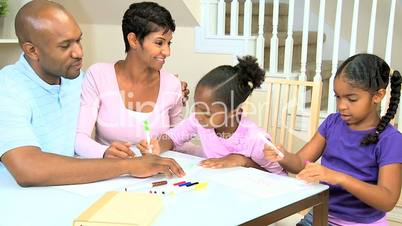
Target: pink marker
269,143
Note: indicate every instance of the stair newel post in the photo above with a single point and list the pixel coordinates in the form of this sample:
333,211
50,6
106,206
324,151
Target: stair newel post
260,39
303,76
234,18
370,44
273,54
320,40
248,12
289,40
205,19
353,37
221,18
387,58
335,56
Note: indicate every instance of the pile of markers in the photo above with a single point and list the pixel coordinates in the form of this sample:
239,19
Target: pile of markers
182,186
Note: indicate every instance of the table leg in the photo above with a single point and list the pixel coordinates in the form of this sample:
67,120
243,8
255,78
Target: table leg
320,212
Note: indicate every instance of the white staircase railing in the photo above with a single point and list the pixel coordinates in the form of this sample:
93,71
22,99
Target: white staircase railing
335,55
305,18
287,67
273,61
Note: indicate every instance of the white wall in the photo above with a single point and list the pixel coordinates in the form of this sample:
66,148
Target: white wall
9,52
104,43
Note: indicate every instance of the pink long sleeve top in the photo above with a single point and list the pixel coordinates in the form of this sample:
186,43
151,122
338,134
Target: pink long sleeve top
243,141
102,106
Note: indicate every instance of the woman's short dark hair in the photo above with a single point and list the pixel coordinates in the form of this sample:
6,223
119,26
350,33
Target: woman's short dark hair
143,18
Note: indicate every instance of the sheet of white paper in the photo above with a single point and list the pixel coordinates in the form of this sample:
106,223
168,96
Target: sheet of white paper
258,184
116,184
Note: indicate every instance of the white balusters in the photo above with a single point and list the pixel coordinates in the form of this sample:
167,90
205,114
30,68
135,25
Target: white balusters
260,38
234,17
273,56
370,45
387,58
335,53
221,18
303,76
248,12
289,40
320,39
306,17
388,48
213,22
353,38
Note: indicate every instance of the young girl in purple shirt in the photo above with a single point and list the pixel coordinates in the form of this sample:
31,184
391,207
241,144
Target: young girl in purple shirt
360,151
227,136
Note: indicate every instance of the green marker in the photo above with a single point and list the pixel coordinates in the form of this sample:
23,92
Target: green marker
148,134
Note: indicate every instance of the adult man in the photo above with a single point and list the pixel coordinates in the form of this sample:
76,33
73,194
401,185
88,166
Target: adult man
39,103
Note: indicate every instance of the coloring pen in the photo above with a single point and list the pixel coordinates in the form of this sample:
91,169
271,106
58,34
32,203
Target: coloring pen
148,135
146,186
269,143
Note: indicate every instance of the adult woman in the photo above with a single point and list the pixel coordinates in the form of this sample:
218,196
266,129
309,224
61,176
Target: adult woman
119,97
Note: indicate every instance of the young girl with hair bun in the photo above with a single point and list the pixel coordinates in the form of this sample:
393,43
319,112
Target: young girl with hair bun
228,137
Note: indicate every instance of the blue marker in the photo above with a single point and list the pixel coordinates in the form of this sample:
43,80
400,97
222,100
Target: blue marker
185,184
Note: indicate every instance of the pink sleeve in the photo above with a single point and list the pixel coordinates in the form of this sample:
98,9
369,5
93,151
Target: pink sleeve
187,147
84,145
257,155
175,113
183,132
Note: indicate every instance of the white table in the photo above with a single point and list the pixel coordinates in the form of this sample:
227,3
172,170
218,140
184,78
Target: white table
223,202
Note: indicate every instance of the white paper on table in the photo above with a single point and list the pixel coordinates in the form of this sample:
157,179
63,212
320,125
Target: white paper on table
258,183
115,184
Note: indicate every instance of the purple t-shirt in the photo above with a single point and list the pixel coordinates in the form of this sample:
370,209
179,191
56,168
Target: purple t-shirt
344,153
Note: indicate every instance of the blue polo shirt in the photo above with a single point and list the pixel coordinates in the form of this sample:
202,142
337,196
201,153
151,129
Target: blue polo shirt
34,113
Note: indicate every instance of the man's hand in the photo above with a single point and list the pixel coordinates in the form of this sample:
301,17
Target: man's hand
149,165
119,149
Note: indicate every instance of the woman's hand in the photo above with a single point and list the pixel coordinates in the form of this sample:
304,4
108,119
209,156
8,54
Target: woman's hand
120,150
185,92
315,173
153,148
231,160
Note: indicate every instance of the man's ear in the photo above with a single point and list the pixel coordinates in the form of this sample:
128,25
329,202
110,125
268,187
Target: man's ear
132,40
30,50
379,96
